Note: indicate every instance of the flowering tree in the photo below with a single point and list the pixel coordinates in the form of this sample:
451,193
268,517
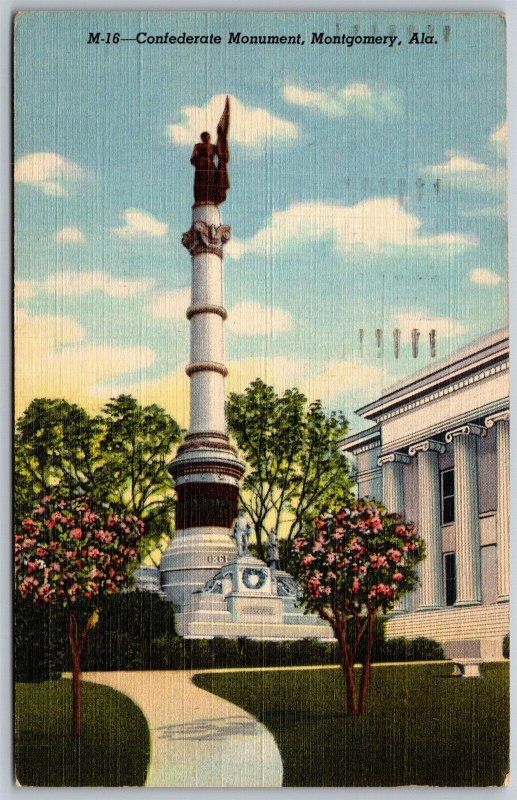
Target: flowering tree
67,554
356,562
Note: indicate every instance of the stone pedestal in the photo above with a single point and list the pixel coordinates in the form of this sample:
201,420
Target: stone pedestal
247,598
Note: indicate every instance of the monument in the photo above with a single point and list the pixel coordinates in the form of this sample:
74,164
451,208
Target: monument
217,586
206,468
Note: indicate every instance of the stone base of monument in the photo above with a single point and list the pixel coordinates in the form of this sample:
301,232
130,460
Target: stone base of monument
191,560
247,598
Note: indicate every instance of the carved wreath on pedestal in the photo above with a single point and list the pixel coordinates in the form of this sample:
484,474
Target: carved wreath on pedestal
204,238
254,578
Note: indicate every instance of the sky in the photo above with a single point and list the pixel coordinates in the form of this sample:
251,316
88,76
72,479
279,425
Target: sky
368,191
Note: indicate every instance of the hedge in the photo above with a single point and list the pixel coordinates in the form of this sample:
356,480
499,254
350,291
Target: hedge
128,625
136,631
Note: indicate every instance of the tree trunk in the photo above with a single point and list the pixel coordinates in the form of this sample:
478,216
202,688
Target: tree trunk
75,650
367,665
348,670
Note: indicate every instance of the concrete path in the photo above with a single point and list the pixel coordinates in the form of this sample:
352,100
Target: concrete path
197,738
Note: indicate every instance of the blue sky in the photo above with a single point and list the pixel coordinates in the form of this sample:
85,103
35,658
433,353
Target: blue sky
367,191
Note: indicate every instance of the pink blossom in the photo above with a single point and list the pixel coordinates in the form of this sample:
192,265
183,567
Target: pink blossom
395,555
307,560
76,533
378,561
356,586
398,576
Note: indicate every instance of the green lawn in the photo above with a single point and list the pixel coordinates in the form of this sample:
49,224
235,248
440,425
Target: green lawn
113,750
422,726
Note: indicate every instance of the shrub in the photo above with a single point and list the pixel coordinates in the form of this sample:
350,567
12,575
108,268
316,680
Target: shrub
128,624
506,646
39,649
420,649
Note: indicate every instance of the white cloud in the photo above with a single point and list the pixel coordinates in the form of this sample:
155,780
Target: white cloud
356,99
171,305
462,172
499,139
140,224
70,236
445,327
49,172
52,360
354,379
24,290
358,382
485,277
78,283
251,319
378,224
500,210
249,126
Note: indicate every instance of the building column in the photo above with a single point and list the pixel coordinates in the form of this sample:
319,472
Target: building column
392,481
466,513
393,496
429,522
502,422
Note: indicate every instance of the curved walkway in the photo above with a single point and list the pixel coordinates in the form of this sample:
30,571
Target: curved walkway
197,738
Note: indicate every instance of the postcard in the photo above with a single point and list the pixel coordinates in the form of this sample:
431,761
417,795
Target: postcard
262,399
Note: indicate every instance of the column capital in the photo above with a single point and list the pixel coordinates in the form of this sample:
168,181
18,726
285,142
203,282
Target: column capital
465,430
428,445
499,416
393,458
205,238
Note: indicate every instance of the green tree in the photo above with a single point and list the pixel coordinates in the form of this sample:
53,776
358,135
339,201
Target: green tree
295,469
118,459
136,445
56,451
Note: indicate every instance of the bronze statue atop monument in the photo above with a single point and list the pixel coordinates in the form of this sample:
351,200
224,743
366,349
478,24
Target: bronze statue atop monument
211,181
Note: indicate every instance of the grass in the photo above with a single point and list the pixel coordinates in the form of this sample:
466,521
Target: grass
422,726
113,750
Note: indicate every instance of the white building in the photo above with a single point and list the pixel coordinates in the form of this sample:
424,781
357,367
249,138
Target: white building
438,453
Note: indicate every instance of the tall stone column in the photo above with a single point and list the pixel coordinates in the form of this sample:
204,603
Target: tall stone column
429,522
502,422
466,513
206,468
393,495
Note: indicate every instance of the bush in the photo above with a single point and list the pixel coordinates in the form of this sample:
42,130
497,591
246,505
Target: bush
506,646
39,641
128,624
419,649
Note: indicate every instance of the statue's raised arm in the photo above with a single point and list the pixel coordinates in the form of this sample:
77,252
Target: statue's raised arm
211,182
